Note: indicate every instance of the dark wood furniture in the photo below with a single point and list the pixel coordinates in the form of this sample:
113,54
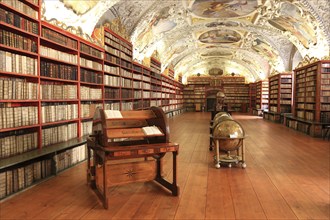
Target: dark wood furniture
123,153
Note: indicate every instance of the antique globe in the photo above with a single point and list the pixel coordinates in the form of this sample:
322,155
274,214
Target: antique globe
221,95
219,114
220,118
229,133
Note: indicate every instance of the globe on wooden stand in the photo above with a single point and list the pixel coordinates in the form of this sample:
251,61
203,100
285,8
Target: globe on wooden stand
228,136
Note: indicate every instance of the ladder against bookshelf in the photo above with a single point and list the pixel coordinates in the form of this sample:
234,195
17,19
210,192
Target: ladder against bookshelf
311,103
280,97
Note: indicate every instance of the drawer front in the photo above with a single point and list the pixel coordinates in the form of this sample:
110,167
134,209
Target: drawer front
123,173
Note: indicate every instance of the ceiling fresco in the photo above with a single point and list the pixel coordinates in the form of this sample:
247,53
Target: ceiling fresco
251,38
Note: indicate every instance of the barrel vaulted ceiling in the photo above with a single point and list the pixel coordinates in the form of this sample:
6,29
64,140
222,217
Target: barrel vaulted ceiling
252,38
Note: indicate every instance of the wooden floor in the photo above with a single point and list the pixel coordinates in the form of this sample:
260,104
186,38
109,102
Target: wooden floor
287,177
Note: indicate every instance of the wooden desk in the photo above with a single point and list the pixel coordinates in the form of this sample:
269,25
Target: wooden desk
123,153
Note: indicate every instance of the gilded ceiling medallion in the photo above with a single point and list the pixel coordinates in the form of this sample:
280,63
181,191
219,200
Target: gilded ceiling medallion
220,37
223,8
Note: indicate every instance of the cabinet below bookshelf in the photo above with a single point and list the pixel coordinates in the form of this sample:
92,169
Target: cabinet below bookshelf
24,170
312,128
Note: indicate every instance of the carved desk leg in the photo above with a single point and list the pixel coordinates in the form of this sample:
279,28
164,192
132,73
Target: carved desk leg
170,186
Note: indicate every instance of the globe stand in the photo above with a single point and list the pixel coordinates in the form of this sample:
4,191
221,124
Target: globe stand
228,158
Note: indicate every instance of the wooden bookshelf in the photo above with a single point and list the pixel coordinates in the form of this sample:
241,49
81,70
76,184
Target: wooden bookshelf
261,103
280,96
235,89
237,93
252,96
52,81
311,105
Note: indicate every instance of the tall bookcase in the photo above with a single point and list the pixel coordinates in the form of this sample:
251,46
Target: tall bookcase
51,82
261,97
280,96
198,88
252,96
311,105
237,93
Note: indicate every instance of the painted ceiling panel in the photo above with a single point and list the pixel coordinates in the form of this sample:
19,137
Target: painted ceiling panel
252,38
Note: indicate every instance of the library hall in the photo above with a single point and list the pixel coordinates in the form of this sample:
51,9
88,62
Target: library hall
165,109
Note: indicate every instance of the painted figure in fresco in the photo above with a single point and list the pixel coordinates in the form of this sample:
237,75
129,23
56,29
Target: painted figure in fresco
223,8
264,48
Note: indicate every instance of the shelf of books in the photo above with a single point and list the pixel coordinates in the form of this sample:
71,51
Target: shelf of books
194,97
311,105
234,88
252,96
51,82
236,92
118,74
261,97
91,85
280,97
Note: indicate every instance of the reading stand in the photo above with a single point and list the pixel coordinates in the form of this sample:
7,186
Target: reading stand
127,147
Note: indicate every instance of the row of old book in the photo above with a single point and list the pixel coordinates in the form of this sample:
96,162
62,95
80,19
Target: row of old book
52,113
18,116
58,55
21,7
59,38
15,63
59,71
59,134
70,157
18,41
53,91
18,21
17,89
91,51
16,179
90,76
17,142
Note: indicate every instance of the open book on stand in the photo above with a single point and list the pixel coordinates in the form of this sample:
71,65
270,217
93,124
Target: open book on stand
152,130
